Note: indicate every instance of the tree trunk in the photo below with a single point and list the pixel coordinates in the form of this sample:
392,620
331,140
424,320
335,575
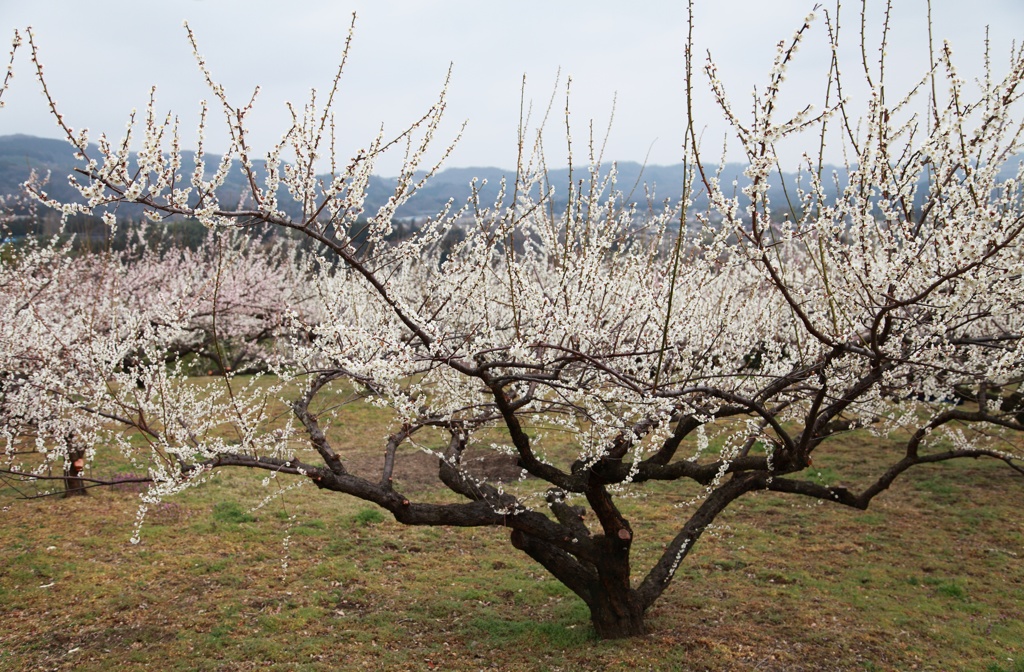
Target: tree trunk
73,483
616,616
616,610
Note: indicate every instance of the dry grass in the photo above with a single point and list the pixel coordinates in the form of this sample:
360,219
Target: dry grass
931,578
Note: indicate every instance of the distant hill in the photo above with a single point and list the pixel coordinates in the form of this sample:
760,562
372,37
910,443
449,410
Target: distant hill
20,154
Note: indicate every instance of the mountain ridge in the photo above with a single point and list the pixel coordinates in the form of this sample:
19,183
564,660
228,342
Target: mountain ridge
646,185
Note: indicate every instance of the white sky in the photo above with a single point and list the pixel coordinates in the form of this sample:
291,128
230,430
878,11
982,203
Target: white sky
102,56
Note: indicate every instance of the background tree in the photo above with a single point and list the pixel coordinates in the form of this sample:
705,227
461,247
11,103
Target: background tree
600,347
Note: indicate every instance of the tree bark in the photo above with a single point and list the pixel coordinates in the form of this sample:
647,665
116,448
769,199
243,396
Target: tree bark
616,610
616,614
73,483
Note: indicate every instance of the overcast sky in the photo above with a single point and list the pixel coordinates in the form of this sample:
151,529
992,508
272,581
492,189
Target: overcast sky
102,56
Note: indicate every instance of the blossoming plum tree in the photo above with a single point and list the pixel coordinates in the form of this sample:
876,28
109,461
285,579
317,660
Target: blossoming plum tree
720,350
70,317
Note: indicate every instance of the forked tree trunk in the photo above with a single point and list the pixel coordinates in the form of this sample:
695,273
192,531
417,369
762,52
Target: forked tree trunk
616,610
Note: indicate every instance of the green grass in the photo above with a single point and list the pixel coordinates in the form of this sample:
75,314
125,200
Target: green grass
368,517
1010,666
231,513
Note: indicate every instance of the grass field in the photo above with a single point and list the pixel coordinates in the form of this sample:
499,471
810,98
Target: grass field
930,578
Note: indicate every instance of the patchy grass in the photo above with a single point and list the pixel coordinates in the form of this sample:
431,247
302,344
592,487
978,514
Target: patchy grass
368,517
930,578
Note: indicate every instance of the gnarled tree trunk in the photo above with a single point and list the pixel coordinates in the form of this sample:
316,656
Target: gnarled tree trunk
602,581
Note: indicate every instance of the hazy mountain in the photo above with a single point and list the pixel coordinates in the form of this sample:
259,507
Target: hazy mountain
644,185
